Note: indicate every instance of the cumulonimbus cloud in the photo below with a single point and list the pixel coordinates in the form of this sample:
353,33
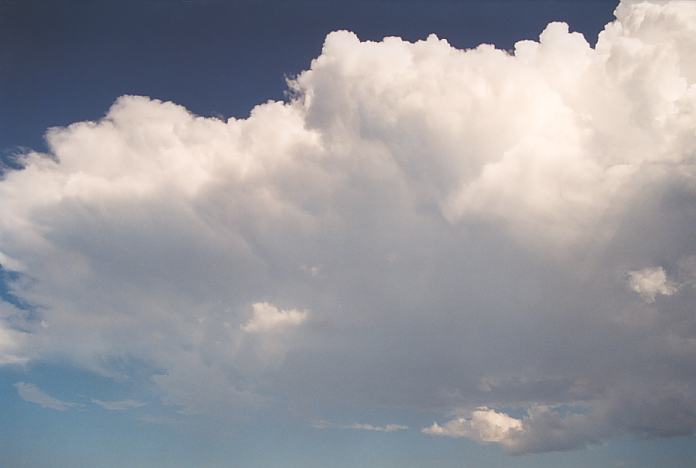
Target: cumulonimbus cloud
475,213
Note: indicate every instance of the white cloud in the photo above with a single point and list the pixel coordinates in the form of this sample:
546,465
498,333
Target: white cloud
321,424
118,405
542,429
651,282
484,425
33,394
11,342
456,221
269,318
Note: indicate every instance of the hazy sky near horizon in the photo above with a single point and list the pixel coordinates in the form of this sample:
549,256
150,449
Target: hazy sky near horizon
376,234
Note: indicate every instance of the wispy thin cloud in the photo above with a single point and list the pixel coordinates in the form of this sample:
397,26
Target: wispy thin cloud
118,405
33,394
322,424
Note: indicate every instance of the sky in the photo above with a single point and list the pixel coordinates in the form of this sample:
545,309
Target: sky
369,234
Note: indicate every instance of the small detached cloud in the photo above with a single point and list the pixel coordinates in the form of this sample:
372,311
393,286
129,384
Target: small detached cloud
267,317
543,428
484,425
33,394
651,282
321,424
119,405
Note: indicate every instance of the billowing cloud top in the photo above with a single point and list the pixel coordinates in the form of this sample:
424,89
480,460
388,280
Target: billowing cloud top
475,232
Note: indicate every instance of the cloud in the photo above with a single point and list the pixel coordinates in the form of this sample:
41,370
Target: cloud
484,425
11,346
542,429
32,394
460,224
268,318
118,405
321,424
656,410
651,282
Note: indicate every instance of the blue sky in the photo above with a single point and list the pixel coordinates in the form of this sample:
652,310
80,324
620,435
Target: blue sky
258,234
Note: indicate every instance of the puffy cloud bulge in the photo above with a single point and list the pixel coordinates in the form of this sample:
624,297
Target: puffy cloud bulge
504,239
